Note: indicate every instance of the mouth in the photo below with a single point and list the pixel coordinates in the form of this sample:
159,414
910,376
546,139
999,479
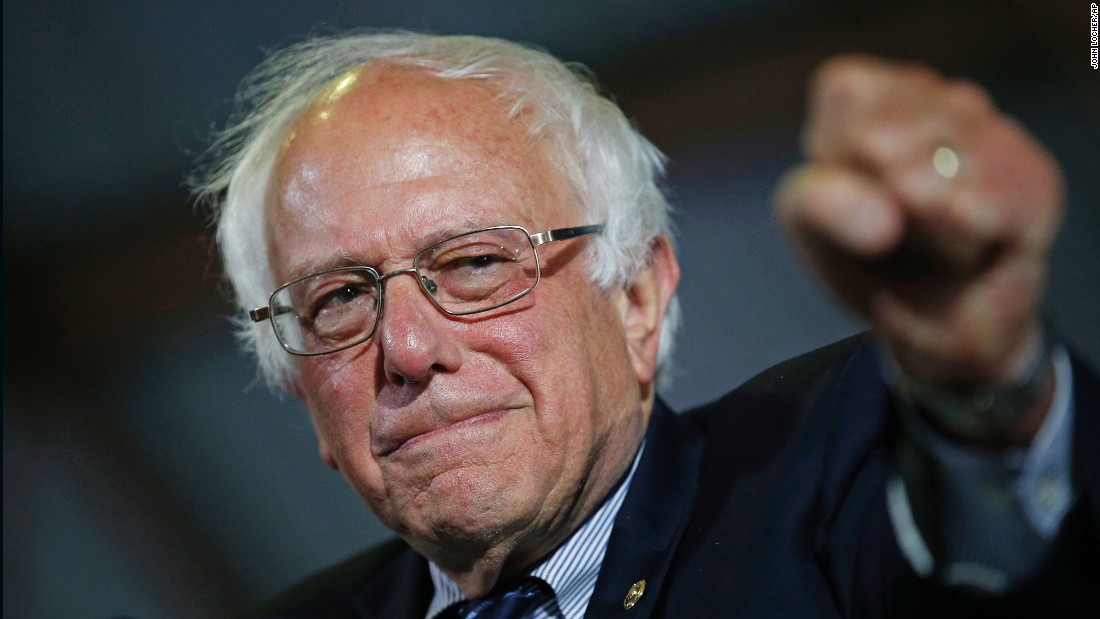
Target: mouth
427,436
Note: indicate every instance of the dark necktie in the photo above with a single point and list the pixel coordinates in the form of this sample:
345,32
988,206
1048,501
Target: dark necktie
514,603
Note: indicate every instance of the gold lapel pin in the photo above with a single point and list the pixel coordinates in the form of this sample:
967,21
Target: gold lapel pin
635,594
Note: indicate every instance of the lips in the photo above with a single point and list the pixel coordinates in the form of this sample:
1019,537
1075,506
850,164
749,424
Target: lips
488,417
395,429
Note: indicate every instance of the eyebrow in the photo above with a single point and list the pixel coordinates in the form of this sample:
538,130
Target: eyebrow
468,224
344,259
340,261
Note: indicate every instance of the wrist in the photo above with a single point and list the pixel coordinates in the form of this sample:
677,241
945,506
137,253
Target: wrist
1006,412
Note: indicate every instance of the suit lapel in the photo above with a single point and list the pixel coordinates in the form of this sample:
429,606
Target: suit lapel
651,520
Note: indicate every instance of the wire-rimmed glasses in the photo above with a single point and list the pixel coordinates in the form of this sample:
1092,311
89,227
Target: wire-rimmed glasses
472,272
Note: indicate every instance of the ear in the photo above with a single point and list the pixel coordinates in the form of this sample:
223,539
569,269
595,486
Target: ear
644,306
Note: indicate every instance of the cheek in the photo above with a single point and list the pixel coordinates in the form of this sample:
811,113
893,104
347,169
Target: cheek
569,350
339,394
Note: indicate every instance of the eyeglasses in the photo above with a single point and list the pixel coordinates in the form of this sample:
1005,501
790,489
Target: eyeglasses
473,272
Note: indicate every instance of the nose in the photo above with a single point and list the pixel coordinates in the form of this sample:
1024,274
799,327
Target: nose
412,335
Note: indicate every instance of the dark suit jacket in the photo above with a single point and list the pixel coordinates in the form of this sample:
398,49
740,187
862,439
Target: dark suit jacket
769,502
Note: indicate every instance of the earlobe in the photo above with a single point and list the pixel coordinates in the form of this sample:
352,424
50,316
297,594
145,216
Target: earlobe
326,456
294,386
645,303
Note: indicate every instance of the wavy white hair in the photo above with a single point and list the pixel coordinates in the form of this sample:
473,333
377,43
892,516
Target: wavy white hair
613,169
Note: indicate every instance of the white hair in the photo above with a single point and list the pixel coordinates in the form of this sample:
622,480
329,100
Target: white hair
613,169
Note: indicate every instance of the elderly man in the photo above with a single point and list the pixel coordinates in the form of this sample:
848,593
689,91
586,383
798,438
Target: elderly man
454,252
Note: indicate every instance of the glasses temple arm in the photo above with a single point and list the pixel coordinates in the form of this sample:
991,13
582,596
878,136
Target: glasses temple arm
563,233
261,314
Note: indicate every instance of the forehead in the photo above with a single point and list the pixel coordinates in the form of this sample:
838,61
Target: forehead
389,158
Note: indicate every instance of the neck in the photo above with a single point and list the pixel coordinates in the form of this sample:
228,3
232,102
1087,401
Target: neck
481,572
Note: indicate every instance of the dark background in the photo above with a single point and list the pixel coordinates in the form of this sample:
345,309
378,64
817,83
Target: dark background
147,472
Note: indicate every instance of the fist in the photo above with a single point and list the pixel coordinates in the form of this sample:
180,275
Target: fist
946,260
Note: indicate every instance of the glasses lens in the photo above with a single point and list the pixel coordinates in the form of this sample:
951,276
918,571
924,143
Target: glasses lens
480,270
326,312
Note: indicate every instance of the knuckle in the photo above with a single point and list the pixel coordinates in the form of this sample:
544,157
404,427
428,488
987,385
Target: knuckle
844,75
967,97
835,67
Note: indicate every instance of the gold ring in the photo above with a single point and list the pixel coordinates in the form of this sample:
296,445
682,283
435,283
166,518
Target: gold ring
947,162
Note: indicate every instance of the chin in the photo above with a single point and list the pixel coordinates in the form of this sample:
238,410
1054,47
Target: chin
467,508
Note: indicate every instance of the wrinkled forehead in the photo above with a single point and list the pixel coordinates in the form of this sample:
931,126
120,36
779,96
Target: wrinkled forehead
391,126
406,110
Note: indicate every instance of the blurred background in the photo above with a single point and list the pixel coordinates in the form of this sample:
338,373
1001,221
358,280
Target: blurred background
148,473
